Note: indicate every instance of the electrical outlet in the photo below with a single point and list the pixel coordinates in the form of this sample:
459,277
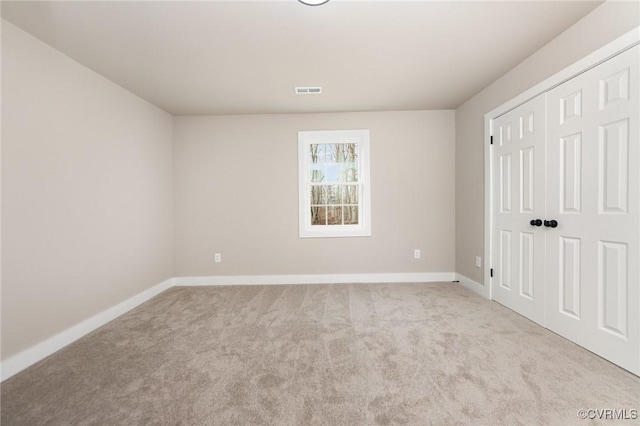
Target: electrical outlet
416,253
478,262
217,258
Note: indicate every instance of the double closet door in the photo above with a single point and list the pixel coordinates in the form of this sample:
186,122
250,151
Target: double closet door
566,210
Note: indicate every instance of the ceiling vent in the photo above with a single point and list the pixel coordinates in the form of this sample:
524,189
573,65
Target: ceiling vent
307,90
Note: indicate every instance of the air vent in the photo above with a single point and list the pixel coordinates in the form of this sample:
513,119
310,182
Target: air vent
316,90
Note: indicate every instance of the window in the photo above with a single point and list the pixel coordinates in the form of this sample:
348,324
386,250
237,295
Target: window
333,175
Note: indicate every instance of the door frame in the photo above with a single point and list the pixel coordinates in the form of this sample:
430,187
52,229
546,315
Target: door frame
615,47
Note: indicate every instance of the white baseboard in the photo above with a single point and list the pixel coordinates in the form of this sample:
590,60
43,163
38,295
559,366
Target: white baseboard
28,357
415,277
474,286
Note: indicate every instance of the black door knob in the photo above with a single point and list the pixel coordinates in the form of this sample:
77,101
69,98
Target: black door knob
550,223
536,222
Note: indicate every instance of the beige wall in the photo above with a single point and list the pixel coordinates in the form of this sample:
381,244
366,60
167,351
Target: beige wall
603,25
86,192
236,192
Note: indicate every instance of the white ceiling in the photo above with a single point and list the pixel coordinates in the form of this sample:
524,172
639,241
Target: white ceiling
238,57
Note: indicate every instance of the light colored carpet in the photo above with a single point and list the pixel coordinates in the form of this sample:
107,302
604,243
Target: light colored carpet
358,354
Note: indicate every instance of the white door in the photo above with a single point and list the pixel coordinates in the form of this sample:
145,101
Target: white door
519,198
593,190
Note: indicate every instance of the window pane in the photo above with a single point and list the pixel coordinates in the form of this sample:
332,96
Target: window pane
350,215
334,194
318,215
350,172
350,194
334,215
318,194
316,153
317,172
338,151
351,152
334,173
344,152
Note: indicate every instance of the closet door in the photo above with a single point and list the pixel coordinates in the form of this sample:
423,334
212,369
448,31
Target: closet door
519,201
593,158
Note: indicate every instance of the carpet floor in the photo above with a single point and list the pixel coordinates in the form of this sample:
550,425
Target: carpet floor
352,354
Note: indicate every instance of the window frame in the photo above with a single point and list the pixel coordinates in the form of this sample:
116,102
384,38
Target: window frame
305,140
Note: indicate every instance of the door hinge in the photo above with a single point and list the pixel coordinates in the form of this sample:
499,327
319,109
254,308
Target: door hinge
491,273
491,138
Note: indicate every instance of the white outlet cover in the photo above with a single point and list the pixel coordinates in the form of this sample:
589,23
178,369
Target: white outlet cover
478,261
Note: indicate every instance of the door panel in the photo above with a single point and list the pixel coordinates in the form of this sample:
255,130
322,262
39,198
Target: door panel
593,188
518,183
571,173
570,276
527,262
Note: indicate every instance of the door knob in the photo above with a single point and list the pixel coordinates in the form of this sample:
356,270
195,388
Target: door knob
536,222
550,223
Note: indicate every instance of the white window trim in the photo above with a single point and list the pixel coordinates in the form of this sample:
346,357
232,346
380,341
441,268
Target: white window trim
363,228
